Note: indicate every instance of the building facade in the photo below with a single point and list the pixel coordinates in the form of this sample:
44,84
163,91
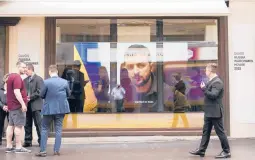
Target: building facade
141,48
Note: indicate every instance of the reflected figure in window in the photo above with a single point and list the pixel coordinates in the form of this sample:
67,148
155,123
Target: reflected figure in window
196,93
125,82
118,94
64,74
180,101
137,61
78,86
102,90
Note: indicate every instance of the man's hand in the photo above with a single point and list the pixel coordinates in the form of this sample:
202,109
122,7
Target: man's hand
202,85
24,108
5,108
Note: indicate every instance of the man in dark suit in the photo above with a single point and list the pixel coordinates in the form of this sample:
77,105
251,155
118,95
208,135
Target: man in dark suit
213,109
33,84
78,87
54,93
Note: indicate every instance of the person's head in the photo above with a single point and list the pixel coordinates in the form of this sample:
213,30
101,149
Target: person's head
102,72
53,70
30,70
138,63
177,77
211,69
195,71
5,78
124,73
77,65
69,74
21,66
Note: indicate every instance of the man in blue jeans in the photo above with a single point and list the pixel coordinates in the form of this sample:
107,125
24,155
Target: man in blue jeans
55,92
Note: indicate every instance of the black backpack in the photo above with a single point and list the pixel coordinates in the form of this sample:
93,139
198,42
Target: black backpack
77,88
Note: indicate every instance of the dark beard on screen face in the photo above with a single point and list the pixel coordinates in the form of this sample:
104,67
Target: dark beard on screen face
144,82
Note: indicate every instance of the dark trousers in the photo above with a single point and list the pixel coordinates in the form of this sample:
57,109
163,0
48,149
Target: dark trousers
119,105
219,129
3,115
76,105
30,117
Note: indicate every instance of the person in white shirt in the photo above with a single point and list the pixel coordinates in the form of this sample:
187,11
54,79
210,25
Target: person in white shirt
118,94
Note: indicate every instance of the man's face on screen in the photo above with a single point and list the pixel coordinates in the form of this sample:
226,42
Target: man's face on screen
137,62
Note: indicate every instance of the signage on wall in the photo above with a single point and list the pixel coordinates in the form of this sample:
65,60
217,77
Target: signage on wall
29,59
30,49
240,61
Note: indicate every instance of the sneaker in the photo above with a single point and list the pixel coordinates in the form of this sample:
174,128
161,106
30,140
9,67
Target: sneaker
9,150
22,150
41,154
56,153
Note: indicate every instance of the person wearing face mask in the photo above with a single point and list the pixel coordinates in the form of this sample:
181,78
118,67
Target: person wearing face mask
3,106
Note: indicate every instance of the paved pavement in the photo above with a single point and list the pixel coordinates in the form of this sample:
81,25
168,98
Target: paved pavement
130,148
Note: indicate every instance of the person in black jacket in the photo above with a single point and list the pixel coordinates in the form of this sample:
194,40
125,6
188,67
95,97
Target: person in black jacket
213,109
34,84
180,101
3,106
78,87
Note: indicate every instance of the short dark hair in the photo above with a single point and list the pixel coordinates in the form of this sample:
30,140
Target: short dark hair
213,67
5,78
53,68
197,69
19,63
30,67
178,76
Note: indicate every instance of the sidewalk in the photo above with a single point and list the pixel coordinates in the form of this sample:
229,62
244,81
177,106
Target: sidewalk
137,148
128,139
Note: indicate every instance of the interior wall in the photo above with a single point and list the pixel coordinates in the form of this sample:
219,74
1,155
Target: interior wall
27,38
242,78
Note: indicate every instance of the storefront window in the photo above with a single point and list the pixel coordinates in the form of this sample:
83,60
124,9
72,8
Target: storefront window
2,51
147,57
185,70
83,58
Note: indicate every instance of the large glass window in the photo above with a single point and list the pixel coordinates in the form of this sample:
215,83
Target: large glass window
189,44
152,59
83,58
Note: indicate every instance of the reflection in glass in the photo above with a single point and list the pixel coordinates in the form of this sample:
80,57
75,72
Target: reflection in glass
180,100
127,52
200,36
102,89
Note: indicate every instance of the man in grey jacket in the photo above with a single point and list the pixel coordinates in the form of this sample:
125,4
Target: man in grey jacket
213,109
54,93
33,84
